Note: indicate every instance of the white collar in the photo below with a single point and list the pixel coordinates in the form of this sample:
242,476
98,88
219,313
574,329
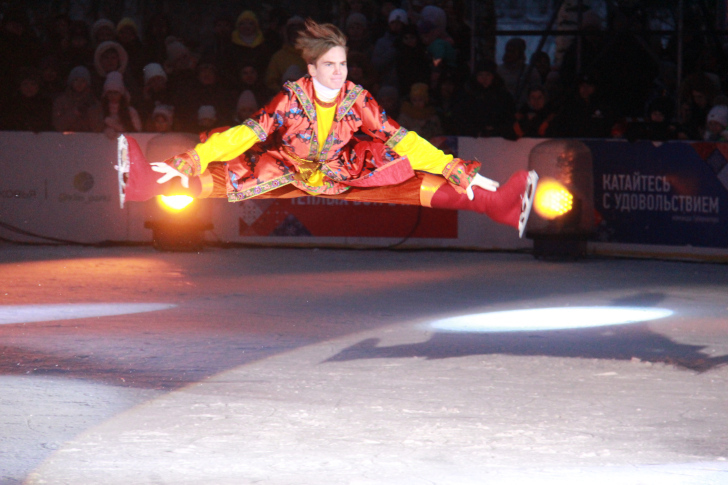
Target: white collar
323,93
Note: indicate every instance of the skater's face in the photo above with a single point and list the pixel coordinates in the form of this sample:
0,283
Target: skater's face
330,69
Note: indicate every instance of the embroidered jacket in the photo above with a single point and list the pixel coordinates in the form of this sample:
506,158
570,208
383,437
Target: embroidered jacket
280,145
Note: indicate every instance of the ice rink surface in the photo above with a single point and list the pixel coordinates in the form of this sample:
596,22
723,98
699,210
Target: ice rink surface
304,366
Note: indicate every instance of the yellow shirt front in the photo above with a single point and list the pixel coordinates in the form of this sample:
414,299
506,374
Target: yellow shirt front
422,155
325,121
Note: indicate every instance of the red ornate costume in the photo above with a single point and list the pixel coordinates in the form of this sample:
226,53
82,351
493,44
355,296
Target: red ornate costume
279,152
361,149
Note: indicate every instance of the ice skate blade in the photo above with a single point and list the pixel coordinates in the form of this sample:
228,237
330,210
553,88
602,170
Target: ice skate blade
122,167
527,201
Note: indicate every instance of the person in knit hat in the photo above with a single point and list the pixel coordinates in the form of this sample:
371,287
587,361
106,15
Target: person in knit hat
247,31
19,45
388,99
486,107
309,141
286,56
30,109
103,30
110,56
206,118
205,89
218,45
155,91
179,57
154,72
518,77
432,27
80,51
716,124
358,34
77,109
418,114
533,119
657,125
250,79
247,105
413,63
181,68
248,42
127,34
156,30
384,54
119,115
53,81
162,119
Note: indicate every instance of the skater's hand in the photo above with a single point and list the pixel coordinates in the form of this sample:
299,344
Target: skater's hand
169,174
483,183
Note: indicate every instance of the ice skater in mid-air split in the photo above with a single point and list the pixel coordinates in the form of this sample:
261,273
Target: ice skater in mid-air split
303,143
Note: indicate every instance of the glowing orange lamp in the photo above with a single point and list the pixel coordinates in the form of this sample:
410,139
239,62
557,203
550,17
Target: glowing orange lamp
174,203
552,199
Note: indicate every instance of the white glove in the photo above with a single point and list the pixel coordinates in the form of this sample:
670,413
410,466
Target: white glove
169,174
483,183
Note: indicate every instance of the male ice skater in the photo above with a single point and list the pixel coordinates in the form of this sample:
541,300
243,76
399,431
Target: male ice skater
325,136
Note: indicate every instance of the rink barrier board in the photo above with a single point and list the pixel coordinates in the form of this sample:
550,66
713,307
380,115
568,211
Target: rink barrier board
64,186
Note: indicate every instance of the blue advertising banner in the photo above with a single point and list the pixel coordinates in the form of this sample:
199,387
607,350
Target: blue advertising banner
673,194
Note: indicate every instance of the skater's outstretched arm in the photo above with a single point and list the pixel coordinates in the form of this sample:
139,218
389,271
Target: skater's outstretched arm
422,155
226,145
425,157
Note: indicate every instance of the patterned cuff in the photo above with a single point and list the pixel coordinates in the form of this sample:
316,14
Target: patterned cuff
257,129
460,172
397,137
187,163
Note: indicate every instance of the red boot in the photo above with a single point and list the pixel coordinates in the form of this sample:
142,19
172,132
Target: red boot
510,204
137,179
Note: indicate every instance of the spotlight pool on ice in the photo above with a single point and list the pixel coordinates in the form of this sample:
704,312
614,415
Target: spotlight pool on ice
539,319
10,314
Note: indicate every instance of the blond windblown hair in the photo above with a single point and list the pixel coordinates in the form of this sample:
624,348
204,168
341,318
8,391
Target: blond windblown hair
317,39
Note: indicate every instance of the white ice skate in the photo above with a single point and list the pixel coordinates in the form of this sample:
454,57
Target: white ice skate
122,167
527,201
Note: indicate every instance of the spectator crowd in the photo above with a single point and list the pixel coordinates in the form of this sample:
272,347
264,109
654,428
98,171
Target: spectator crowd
116,76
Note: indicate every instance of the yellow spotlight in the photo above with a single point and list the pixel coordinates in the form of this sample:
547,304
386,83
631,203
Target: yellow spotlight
552,199
175,202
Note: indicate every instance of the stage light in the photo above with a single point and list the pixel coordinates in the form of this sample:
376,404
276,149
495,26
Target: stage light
544,319
178,222
563,216
175,203
178,234
552,199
